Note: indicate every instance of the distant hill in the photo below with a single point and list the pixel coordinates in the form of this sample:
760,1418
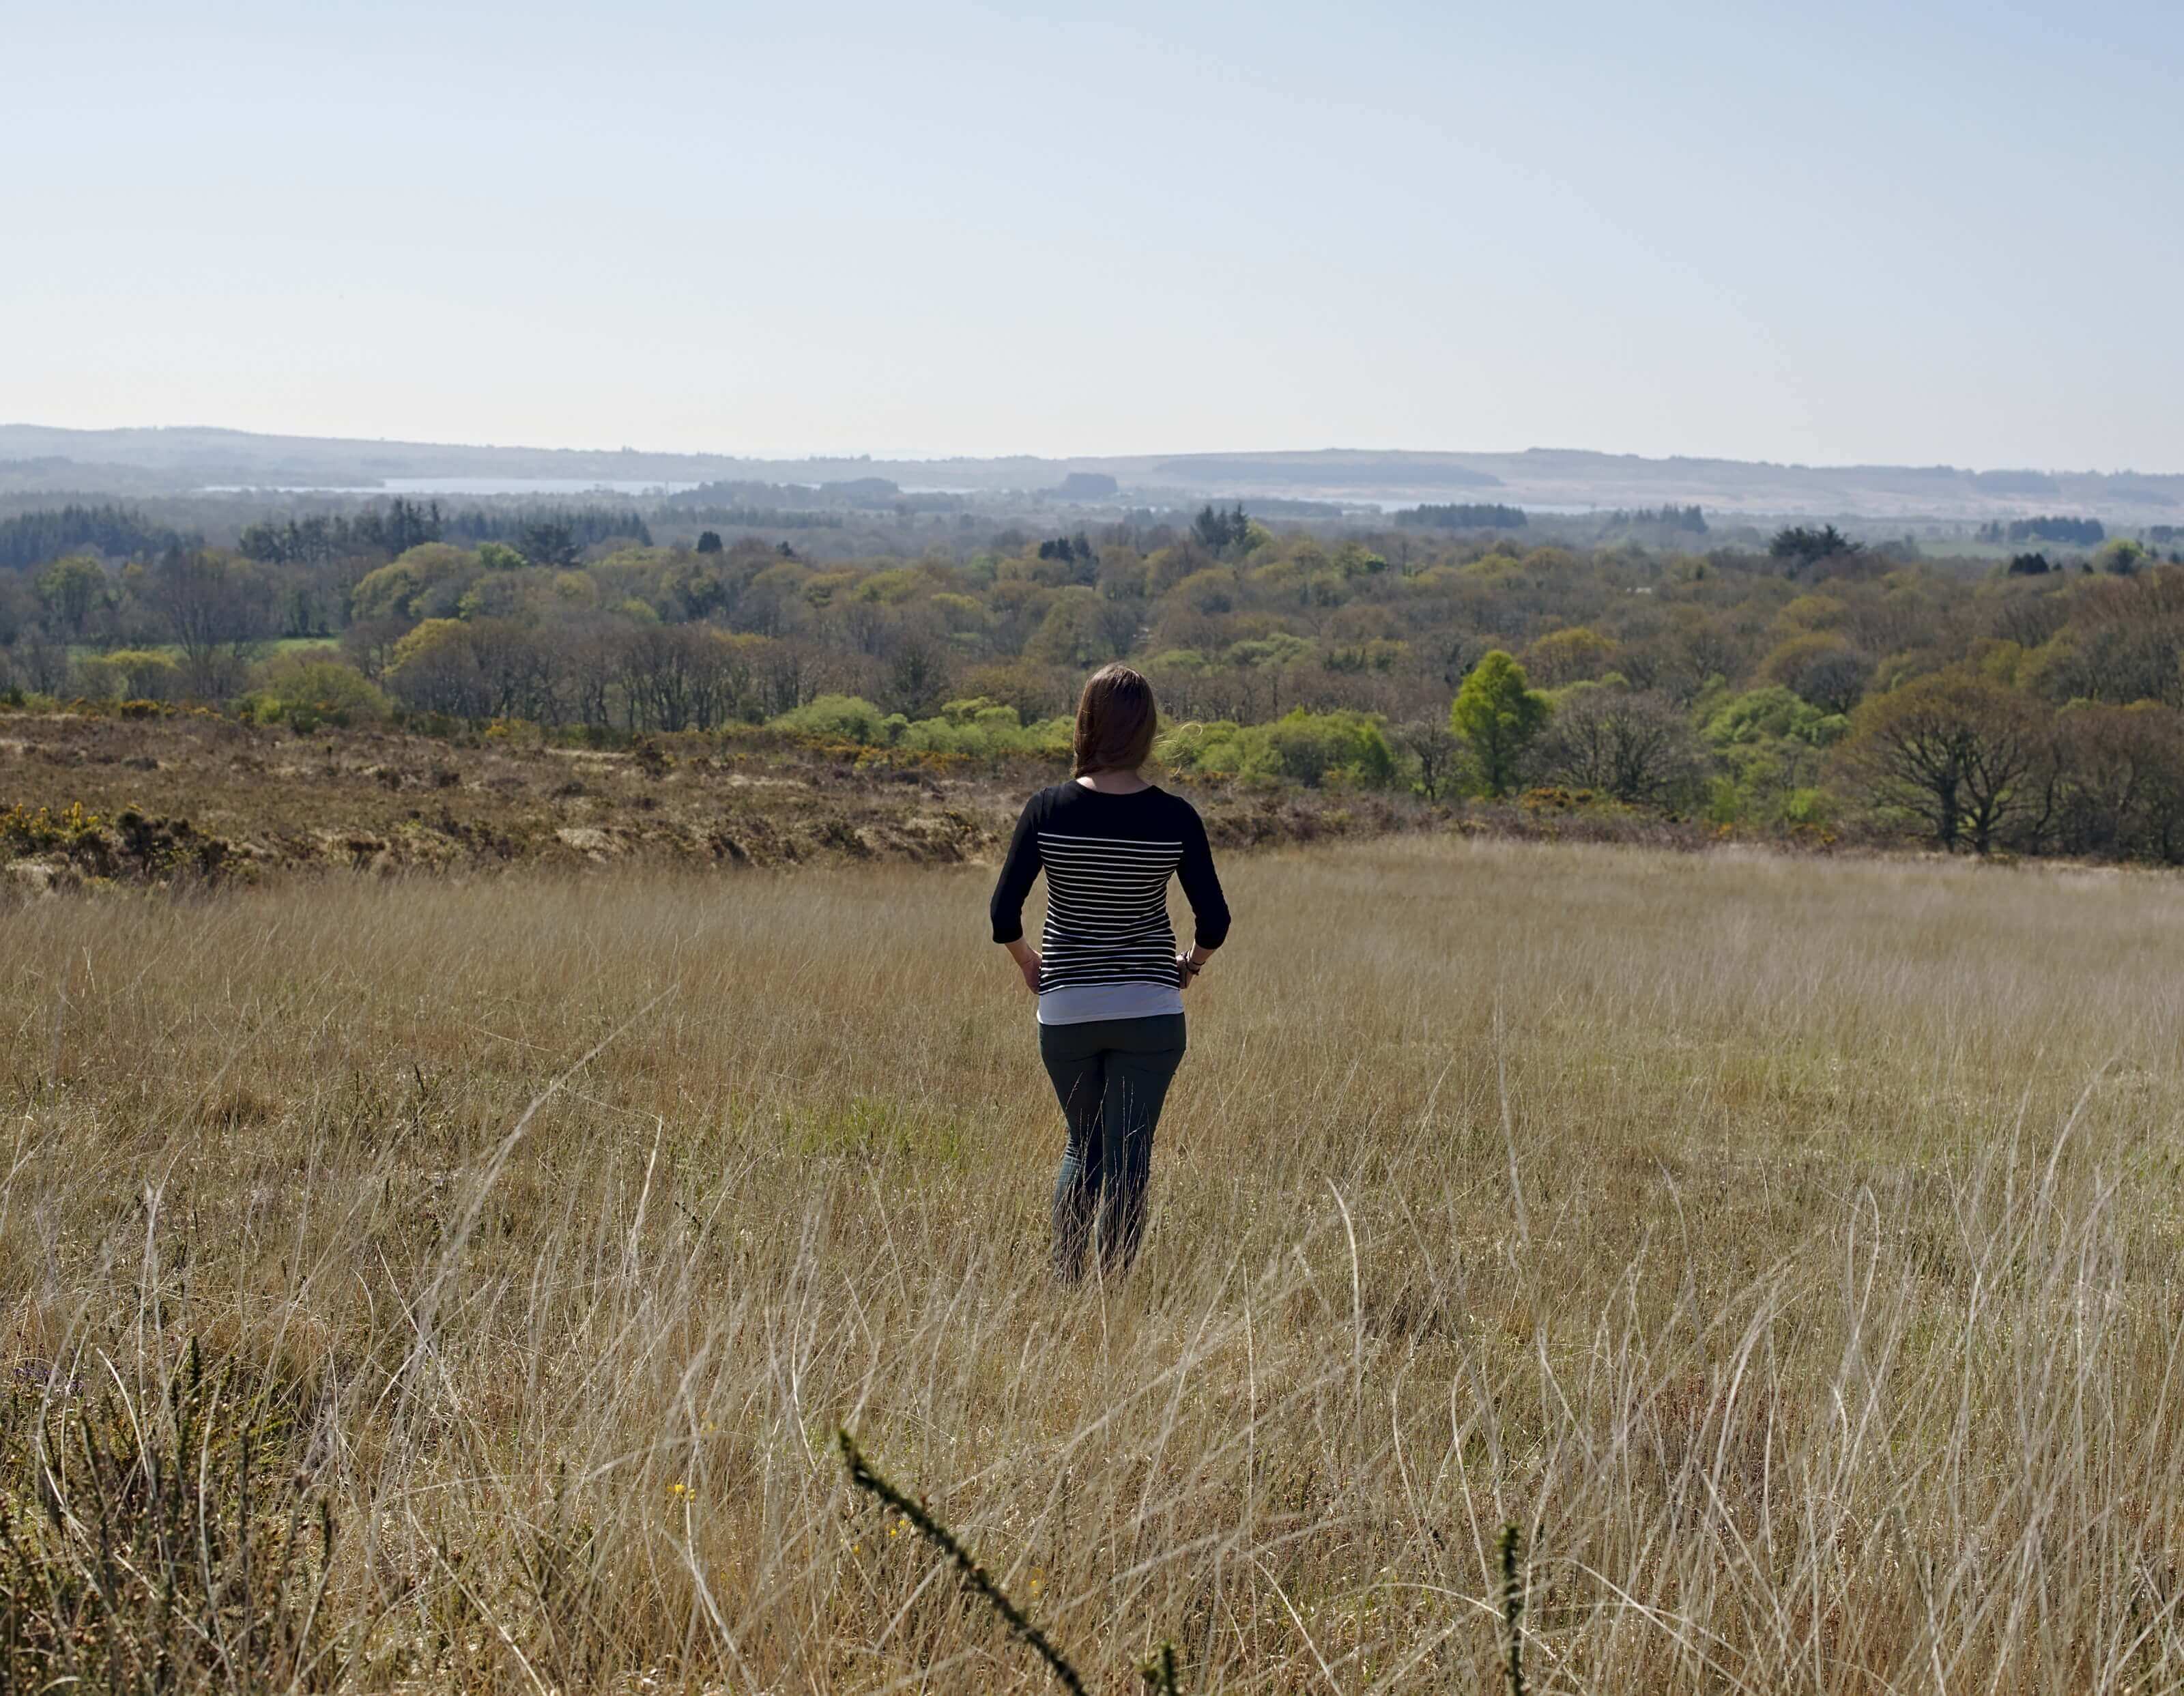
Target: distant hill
182,458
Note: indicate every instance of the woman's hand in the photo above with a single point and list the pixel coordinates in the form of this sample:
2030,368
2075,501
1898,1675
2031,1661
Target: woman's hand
1027,962
1187,966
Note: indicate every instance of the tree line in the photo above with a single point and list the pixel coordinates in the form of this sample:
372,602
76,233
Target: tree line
1460,515
553,535
1760,688
30,538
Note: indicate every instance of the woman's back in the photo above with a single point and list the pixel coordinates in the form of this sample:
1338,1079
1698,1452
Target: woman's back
1108,859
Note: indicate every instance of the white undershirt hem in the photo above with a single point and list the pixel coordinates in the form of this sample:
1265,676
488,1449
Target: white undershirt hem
1081,1003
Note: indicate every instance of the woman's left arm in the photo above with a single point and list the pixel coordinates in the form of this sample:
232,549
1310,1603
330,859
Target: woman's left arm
1201,888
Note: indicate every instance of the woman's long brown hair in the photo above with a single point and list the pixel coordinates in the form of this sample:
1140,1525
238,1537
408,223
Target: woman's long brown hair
1116,719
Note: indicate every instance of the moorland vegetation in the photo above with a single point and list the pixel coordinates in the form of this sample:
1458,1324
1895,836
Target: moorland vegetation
457,1286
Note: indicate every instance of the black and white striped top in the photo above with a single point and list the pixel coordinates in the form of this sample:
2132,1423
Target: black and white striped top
1108,859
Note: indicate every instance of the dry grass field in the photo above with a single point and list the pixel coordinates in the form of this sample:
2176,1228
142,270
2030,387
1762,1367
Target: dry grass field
1790,1249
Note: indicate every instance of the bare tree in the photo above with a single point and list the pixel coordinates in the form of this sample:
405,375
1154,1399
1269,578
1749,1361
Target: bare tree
1636,747
1953,750
215,607
1437,751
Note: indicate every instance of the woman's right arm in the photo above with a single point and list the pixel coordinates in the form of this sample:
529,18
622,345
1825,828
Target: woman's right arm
1012,888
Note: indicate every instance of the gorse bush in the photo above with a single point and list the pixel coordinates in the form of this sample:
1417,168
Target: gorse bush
156,1535
39,830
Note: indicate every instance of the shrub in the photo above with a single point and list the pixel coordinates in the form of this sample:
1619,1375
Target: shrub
130,674
39,830
310,687
1301,747
982,729
837,717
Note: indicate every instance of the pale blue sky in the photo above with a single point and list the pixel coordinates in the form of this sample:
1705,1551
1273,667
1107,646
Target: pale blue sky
1926,231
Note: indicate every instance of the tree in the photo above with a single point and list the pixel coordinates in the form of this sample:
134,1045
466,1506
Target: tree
1952,750
1570,655
73,589
2112,782
215,608
709,541
1219,532
1822,669
2123,642
1497,713
548,541
1435,749
1625,743
917,677
1079,629
397,589
2120,557
436,670
1797,545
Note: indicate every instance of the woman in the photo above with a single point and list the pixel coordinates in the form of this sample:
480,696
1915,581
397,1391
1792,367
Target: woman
1109,981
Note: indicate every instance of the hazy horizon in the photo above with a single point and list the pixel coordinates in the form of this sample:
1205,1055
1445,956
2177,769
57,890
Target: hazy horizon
1888,236
1226,450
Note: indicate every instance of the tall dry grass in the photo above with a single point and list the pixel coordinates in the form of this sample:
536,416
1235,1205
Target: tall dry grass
1789,1251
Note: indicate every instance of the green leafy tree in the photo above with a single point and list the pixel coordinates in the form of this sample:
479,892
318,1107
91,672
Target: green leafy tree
2120,557
1497,713
72,590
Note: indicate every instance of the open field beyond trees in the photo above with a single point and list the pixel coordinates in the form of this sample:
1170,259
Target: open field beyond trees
456,1285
